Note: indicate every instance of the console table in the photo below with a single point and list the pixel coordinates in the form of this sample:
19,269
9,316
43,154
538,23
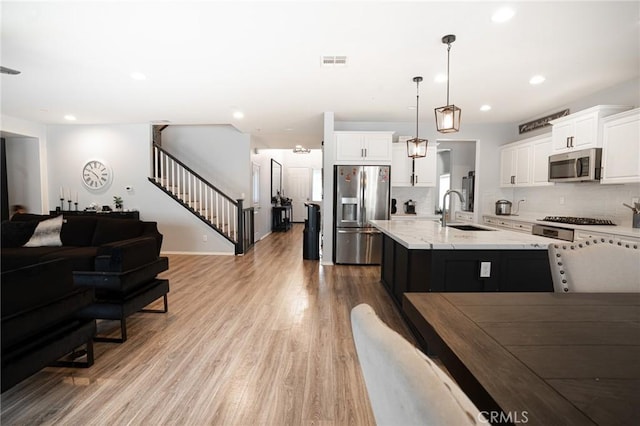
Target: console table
111,214
281,218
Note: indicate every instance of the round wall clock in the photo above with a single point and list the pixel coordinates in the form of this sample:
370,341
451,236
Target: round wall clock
96,175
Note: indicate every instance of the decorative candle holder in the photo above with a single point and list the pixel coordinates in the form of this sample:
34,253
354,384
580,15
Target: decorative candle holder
61,203
76,205
69,204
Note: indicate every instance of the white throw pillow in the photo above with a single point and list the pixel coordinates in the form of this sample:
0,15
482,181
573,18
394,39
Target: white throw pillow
46,234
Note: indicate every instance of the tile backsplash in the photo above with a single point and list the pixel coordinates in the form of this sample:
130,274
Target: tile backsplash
587,199
424,198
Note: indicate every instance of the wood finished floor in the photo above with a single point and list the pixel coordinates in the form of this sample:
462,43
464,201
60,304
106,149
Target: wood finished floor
263,339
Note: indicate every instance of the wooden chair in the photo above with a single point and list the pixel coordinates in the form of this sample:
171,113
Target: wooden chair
595,266
404,386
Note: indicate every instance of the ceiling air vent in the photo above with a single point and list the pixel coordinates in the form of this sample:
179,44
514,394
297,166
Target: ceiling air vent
334,61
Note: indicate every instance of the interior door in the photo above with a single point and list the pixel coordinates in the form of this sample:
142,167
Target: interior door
298,188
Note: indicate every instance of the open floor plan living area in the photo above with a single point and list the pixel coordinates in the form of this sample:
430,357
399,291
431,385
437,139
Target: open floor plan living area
276,212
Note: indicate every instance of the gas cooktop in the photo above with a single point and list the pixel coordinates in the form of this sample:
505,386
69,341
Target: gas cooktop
578,220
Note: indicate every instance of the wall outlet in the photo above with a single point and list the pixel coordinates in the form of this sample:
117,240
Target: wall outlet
485,269
204,238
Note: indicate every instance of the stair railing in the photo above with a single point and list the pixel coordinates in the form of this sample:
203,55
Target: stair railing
222,213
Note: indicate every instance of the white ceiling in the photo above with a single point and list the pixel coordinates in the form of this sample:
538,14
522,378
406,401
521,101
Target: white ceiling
204,60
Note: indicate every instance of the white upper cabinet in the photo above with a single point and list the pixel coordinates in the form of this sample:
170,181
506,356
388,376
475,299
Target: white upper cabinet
363,147
526,162
540,152
515,167
425,168
582,129
621,148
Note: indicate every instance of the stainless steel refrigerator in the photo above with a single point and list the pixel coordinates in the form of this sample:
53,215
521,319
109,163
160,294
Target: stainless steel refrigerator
361,193
468,185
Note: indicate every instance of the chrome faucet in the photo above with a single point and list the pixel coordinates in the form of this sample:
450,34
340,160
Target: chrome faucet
444,205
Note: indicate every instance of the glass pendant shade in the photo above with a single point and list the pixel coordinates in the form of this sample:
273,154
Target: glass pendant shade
448,119
417,147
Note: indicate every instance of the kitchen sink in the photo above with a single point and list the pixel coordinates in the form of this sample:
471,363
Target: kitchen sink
469,228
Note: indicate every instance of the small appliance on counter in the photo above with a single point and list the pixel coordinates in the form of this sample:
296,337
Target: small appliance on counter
503,207
394,207
410,207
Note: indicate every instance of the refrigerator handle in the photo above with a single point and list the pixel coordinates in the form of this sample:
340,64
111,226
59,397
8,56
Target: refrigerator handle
363,212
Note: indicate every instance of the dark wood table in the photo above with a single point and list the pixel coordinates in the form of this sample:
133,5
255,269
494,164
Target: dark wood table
547,358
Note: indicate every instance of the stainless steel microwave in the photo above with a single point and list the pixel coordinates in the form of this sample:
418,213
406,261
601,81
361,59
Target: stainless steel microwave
576,166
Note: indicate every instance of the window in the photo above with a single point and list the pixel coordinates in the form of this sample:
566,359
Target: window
445,185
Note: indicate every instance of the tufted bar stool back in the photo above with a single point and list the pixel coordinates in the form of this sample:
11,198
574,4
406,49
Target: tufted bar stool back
595,266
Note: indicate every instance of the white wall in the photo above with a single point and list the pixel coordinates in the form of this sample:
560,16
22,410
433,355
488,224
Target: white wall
220,154
23,173
127,149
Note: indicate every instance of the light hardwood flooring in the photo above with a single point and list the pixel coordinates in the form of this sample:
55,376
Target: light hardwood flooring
260,339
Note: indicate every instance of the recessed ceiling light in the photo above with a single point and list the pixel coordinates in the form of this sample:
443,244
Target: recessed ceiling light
411,107
238,115
440,78
485,108
70,117
288,129
138,76
536,79
502,15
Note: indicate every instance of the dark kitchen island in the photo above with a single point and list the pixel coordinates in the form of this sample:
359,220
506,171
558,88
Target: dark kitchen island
423,256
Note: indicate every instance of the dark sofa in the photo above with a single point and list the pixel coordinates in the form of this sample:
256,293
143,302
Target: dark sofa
118,258
41,319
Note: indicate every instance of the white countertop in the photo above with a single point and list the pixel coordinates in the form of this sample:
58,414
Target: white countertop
418,216
430,235
603,229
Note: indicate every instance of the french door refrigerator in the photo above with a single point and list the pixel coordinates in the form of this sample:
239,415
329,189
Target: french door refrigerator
361,193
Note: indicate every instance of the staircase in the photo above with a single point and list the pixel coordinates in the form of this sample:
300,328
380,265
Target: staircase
219,211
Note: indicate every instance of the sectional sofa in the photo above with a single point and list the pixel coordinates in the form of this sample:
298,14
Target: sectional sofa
118,258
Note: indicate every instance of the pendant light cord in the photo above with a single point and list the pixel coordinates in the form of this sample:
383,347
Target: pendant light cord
448,56
417,105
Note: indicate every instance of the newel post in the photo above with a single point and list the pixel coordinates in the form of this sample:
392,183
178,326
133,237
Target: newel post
240,230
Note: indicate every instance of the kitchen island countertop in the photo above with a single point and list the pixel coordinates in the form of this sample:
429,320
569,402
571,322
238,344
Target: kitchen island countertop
430,235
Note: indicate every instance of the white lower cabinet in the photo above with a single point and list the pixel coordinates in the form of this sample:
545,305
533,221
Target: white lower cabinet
464,216
498,223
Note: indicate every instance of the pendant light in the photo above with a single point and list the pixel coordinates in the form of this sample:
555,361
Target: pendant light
448,116
416,147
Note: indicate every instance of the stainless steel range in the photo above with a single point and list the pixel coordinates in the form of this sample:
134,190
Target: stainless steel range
560,233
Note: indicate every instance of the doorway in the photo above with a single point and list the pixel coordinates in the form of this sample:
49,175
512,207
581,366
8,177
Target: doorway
456,158
298,187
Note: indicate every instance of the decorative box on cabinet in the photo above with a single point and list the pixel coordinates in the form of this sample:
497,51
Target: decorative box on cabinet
582,129
363,147
425,167
621,148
